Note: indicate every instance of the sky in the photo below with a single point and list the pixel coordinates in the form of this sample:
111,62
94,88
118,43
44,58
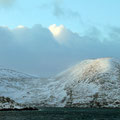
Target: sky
45,37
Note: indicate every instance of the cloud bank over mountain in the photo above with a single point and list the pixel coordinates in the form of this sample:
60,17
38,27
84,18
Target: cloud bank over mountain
46,51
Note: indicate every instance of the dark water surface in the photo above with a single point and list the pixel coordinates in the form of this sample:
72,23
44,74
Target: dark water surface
62,114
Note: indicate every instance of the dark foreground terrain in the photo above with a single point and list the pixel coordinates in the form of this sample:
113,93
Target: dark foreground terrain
62,114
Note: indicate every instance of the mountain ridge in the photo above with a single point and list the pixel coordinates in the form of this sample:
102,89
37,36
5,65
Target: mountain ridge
90,83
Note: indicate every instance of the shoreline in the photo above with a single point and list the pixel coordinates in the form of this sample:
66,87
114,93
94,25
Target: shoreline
44,109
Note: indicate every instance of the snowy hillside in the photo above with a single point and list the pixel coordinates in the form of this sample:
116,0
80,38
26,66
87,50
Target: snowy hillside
12,85
8,73
91,83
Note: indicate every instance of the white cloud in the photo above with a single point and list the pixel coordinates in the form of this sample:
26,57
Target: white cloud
20,26
57,32
62,35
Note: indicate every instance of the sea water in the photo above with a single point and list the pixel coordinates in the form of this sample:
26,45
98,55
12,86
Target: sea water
62,114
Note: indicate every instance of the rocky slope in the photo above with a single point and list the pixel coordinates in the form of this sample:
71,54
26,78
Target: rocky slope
91,83
7,103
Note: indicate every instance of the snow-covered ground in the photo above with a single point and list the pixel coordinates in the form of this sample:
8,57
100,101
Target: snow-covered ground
91,83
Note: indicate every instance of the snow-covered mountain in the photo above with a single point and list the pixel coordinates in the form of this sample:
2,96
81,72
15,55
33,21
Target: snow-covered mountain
12,85
91,83
7,73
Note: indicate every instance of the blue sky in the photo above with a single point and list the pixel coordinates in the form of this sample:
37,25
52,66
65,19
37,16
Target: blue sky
46,37
88,12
